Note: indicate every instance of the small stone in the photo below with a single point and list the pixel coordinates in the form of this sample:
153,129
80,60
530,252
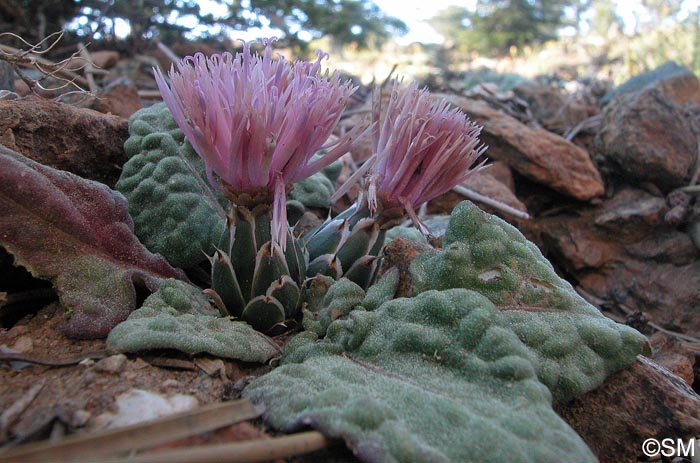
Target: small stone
23,344
140,364
17,330
169,383
88,144
645,399
80,418
483,183
678,84
672,355
137,405
121,98
112,364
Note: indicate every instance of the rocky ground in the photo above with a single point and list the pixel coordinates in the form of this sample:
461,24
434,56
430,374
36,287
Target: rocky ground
605,183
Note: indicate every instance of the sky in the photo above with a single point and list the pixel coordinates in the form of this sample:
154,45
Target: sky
415,14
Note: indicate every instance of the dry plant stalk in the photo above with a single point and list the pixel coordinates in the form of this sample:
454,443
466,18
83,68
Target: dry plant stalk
32,58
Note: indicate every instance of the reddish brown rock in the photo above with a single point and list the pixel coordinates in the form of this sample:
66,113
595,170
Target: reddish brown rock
501,172
121,99
641,402
681,89
400,253
671,354
81,141
535,153
678,83
646,137
623,252
553,107
104,59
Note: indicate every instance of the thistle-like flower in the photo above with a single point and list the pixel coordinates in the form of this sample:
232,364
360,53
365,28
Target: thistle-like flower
257,121
422,149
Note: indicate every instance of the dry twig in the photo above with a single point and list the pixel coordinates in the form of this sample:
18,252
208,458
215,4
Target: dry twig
251,451
31,58
474,196
109,443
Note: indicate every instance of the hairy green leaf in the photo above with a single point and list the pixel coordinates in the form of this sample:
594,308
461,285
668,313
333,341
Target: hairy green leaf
576,345
178,316
436,378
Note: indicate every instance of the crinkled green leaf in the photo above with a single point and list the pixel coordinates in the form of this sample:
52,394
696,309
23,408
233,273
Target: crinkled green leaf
342,297
313,191
440,377
178,316
408,233
577,346
382,291
78,234
172,213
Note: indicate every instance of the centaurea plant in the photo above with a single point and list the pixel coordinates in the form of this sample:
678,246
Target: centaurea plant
257,122
421,149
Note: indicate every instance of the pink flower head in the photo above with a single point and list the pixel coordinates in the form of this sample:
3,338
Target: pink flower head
422,149
257,121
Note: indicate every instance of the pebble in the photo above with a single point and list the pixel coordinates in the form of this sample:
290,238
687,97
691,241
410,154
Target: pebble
112,364
23,344
168,383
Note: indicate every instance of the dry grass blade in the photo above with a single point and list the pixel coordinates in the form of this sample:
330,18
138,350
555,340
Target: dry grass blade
251,451
89,68
109,443
167,52
13,412
150,94
474,196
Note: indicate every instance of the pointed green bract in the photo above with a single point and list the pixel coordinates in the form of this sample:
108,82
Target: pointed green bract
256,280
224,279
362,271
346,246
263,313
287,292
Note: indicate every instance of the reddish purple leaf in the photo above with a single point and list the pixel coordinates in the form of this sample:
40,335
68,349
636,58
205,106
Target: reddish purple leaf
78,234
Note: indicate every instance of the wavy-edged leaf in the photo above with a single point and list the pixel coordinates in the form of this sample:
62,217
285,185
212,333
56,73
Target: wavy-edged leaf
435,378
178,316
577,346
78,234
